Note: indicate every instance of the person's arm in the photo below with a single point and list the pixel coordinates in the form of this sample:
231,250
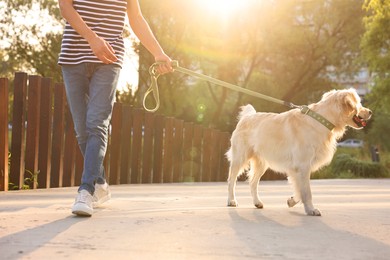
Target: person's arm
99,46
142,30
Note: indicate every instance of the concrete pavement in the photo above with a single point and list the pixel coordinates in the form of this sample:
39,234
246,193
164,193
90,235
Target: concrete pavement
191,221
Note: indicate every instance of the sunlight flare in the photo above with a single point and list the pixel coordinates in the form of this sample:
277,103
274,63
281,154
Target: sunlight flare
223,7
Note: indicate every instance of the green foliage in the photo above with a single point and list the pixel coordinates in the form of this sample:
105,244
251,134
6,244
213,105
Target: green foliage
375,42
346,165
375,46
29,182
379,129
352,163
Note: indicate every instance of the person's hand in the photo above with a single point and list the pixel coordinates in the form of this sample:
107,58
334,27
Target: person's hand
102,50
165,66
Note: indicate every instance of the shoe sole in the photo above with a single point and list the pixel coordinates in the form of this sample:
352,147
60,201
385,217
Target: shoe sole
82,211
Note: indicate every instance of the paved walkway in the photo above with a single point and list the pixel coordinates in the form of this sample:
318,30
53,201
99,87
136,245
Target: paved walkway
191,221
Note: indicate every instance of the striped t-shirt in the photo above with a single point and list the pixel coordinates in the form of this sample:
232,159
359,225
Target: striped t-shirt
106,18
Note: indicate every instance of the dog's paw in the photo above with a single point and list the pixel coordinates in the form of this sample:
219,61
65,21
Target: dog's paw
232,203
313,212
291,202
259,205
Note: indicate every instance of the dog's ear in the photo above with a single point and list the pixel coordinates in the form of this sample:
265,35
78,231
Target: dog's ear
349,103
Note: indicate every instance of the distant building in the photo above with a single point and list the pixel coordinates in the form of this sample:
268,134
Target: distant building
361,81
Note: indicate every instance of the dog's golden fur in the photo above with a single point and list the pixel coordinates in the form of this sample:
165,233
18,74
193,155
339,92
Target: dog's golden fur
292,143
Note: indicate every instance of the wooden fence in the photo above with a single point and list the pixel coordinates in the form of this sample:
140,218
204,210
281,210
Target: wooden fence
143,147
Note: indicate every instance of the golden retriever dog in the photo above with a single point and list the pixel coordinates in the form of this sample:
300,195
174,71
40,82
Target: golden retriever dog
292,142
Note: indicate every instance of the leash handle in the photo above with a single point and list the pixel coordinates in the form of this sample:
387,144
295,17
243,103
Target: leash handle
153,88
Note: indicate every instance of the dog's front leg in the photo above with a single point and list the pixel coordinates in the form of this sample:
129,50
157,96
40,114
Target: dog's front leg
303,187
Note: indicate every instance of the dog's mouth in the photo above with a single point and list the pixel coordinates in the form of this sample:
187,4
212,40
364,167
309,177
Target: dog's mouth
359,121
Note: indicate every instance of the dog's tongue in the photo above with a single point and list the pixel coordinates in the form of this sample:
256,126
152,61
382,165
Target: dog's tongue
359,121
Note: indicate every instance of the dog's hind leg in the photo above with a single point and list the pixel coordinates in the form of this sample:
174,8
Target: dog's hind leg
235,169
291,202
294,200
258,168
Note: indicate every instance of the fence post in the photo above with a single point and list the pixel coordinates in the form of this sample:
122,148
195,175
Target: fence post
126,141
45,129
158,148
206,152
147,154
32,136
224,163
168,150
3,134
57,159
136,146
18,130
115,151
215,154
188,152
196,153
178,151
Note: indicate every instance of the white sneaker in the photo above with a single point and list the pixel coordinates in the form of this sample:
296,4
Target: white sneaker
102,194
83,204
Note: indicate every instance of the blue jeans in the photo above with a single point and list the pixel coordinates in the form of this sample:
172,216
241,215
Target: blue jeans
90,90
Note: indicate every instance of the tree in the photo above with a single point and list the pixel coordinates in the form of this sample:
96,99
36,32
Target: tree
279,48
30,44
376,51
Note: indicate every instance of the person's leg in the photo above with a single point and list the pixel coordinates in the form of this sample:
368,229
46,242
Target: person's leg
76,79
90,90
98,114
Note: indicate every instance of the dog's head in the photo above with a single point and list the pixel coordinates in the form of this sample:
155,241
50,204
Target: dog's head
353,113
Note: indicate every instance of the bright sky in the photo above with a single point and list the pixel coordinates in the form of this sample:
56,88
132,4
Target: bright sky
223,8
45,23
129,73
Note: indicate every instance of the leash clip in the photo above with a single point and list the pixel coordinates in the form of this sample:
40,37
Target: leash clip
153,88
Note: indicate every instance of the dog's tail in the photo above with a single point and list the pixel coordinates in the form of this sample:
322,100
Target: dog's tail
246,111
